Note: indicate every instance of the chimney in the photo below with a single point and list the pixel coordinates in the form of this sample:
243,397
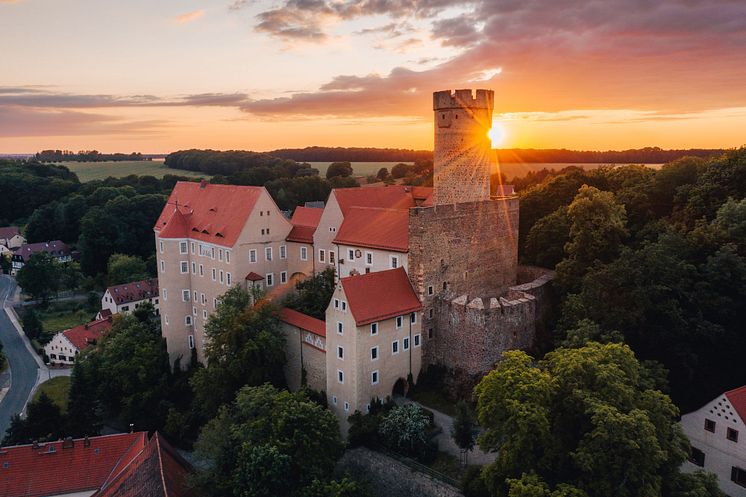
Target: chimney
68,443
86,441
203,184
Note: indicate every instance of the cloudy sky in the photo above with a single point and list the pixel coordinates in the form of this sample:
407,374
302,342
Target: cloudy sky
156,76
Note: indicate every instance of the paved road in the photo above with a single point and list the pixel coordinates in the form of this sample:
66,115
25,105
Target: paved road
23,366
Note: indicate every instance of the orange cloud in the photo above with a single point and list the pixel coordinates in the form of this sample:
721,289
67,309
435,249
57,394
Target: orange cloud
189,16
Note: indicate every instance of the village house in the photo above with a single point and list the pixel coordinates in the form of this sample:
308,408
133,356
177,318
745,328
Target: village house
121,465
56,248
717,433
125,298
64,347
11,238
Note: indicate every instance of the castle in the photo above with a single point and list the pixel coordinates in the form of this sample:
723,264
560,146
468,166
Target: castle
425,276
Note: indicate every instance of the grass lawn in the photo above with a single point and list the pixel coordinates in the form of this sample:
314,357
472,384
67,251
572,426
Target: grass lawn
88,171
57,389
53,322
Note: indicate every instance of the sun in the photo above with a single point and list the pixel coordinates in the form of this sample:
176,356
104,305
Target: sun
497,134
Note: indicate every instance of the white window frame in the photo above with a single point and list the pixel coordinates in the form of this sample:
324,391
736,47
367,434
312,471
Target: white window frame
194,310
334,400
188,320
347,406
268,254
336,303
227,256
340,353
283,277
269,279
399,322
221,276
214,274
183,267
194,267
351,254
340,328
368,258
165,294
185,295
405,343
228,279
417,340
413,318
220,255
322,256
201,270
377,353
340,377
194,248
283,251
183,248
190,341
344,306
304,253
394,261
375,377
373,329
160,245
395,347
252,256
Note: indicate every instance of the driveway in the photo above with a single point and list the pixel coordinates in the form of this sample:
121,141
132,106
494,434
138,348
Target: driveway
23,364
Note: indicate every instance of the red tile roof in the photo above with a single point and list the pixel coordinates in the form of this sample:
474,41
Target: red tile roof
380,295
55,248
737,397
252,276
8,232
390,197
301,234
135,291
386,229
84,335
51,469
306,216
210,213
303,321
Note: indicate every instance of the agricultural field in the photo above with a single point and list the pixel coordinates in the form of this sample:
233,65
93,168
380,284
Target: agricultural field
88,171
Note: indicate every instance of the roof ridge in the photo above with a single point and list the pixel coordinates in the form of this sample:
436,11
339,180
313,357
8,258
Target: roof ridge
109,479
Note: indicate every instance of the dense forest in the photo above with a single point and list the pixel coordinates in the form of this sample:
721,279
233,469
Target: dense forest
85,156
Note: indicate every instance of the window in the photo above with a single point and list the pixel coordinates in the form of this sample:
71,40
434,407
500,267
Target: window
283,252
430,290
270,279
191,341
710,425
336,303
262,231
195,295
204,314
322,255
331,257
214,274
163,266
374,378
252,255
188,320
185,295
227,256
165,294
732,435
228,279
161,246
194,248
182,247
417,340
374,353
220,254
165,317
304,253
214,303
340,328
284,277
429,333
394,262
374,329
201,270
222,277
738,476
395,347
347,406
268,253
344,306
194,310
212,253
334,400
194,268
413,318
340,376
697,457
351,254
445,285
340,353
405,343
368,258
184,267
203,299
430,312
399,322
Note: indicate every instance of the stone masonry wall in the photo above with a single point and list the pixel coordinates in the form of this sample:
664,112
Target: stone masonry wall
390,478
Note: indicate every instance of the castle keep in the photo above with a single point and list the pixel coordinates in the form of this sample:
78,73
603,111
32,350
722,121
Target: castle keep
425,276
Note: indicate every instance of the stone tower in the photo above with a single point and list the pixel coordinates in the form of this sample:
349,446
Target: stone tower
462,155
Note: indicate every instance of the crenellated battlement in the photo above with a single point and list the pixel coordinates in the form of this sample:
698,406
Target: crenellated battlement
464,99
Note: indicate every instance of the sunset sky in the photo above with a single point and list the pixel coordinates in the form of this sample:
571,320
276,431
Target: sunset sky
157,76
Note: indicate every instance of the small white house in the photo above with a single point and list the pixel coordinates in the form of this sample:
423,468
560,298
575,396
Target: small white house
125,298
717,434
67,344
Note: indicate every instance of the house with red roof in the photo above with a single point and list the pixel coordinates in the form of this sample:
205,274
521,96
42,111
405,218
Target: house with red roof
121,465
56,248
717,433
11,238
125,298
66,345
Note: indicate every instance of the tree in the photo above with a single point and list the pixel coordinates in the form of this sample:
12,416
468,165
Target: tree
5,264
464,430
40,276
312,295
383,173
267,442
125,268
335,169
400,170
547,238
405,429
582,417
244,346
44,419
32,324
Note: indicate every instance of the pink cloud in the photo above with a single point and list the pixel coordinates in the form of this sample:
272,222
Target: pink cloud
189,16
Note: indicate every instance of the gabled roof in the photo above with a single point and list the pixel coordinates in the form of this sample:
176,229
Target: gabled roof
84,335
389,197
386,229
55,248
306,216
8,232
303,321
252,276
210,213
134,292
737,397
51,469
380,295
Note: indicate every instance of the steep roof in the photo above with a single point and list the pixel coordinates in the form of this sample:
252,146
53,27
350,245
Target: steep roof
85,334
134,292
50,469
205,212
380,295
737,397
8,232
55,248
301,234
303,321
390,197
305,220
386,229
